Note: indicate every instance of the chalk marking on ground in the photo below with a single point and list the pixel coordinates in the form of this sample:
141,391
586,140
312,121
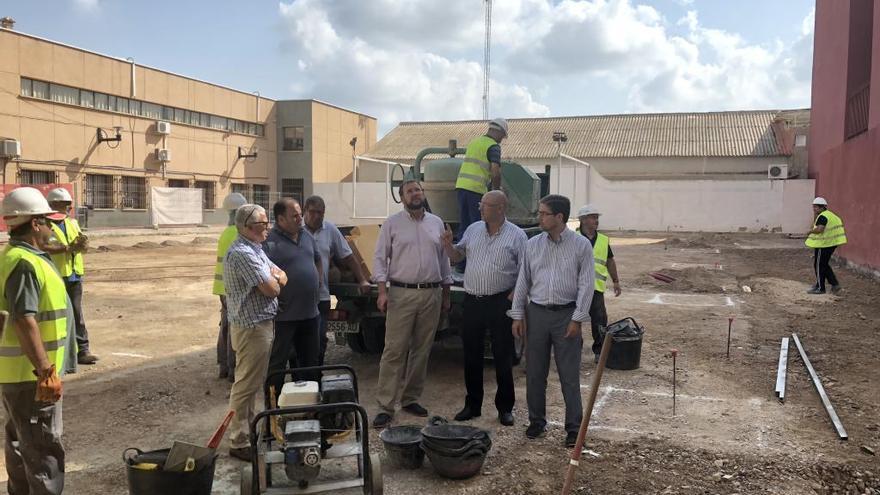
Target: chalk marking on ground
610,388
129,354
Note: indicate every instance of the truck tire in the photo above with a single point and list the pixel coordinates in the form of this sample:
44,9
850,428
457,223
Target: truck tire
371,337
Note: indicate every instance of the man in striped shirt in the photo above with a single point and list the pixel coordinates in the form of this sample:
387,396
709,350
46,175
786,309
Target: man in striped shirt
253,284
494,248
551,302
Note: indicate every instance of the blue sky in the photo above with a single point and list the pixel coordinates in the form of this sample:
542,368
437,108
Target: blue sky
404,60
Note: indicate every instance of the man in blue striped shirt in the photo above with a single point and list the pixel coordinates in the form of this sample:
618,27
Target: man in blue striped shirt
253,284
551,302
494,248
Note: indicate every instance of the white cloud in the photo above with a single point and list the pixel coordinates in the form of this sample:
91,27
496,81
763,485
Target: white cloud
381,72
422,59
86,5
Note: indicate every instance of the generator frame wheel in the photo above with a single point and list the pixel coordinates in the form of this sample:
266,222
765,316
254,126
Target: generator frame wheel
247,480
373,482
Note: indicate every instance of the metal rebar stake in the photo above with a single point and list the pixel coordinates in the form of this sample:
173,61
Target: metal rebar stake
729,328
674,354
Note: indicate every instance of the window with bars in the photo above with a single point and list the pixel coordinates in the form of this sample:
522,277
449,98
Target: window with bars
261,195
292,188
240,188
32,177
294,138
134,193
207,188
178,183
99,191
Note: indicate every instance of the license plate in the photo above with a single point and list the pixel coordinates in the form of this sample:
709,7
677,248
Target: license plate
340,330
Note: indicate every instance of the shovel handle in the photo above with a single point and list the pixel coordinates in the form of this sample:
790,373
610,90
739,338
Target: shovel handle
214,442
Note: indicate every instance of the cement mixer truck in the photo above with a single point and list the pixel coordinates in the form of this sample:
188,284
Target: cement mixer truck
356,321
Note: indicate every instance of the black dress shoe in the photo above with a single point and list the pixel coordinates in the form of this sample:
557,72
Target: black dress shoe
416,409
381,420
506,418
467,414
535,431
571,439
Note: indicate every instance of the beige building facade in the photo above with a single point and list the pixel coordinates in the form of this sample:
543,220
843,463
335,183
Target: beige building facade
115,129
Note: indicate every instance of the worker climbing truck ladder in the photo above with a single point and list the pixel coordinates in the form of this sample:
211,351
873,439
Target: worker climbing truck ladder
356,321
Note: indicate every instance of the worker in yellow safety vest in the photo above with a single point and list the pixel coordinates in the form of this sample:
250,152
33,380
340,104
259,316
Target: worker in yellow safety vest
605,266
225,353
32,346
481,169
66,245
827,233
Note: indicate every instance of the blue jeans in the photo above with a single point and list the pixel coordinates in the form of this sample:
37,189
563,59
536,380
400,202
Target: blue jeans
468,213
468,209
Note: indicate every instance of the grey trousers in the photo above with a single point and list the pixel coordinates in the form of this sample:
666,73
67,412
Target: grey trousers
225,353
34,454
545,330
75,292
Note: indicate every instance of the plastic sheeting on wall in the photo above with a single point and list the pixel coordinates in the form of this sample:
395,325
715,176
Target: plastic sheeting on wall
175,206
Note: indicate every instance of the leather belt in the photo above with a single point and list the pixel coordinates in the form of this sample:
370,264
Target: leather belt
497,294
424,285
556,307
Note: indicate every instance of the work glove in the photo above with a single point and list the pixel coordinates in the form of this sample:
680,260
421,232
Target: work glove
48,386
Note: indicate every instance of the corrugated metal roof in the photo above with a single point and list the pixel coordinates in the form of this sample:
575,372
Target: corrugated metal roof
712,134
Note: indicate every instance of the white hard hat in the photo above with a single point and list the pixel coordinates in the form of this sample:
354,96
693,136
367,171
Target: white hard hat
499,124
234,201
20,204
820,201
59,194
588,210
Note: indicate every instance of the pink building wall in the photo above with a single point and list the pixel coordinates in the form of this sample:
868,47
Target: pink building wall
847,172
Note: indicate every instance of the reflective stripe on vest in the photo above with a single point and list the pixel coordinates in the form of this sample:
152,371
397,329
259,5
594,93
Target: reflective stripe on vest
600,256
833,235
226,239
51,317
67,263
475,171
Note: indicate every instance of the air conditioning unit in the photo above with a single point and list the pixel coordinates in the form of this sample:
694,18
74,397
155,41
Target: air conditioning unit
163,154
163,127
10,148
777,171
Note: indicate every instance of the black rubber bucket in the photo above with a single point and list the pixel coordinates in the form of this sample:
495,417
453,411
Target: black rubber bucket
402,446
158,482
626,350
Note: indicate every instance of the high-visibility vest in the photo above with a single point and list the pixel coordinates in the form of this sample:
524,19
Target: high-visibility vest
226,239
15,367
600,257
833,235
68,263
475,172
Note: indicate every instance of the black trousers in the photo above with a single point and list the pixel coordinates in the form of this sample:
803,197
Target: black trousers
481,313
75,293
323,314
598,319
821,267
296,345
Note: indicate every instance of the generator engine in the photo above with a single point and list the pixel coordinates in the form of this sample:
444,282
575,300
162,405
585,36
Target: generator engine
302,450
308,436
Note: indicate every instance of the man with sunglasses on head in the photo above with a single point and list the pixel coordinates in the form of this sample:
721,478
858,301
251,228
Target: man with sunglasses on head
32,346
253,284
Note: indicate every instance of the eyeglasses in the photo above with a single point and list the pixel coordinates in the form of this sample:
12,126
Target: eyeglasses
265,225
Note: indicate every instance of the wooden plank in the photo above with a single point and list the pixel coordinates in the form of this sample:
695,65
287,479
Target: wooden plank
819,388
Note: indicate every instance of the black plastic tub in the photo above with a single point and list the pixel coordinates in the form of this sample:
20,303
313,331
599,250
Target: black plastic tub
199,481
402,446
626,347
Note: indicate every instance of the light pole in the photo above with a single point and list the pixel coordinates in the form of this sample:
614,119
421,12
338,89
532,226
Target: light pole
560,137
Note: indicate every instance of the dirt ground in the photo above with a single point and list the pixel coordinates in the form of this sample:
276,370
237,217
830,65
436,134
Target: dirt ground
153,321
